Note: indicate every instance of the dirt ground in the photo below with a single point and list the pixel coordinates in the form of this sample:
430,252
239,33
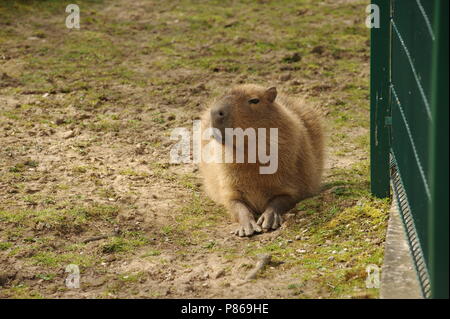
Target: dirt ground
85,123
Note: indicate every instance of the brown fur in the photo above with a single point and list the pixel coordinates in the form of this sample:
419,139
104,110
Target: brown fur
300,152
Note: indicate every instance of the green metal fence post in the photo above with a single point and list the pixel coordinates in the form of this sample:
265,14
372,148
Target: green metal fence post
379,101
439,170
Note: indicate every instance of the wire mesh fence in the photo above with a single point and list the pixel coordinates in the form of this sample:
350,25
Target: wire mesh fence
409,128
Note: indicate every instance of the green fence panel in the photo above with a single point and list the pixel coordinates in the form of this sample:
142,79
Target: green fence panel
379,100
412,44
417,109
439,159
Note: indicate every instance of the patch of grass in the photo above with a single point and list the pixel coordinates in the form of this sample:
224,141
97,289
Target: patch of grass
80,169
131,172
5,245
20,292
122,244
131,277
20,167
52,259
65,220
199,213
46,277
106,125
151,253
189,181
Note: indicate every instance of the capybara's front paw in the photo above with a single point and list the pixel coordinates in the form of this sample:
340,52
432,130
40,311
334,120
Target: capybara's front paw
270,220
247,228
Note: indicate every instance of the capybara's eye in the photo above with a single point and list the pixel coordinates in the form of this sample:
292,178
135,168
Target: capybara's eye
253,101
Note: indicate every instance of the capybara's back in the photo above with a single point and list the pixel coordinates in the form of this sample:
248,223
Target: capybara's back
312,121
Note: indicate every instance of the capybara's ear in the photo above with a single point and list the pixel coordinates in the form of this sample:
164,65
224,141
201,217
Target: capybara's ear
271,93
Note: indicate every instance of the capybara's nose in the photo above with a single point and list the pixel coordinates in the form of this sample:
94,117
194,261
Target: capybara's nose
219,116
